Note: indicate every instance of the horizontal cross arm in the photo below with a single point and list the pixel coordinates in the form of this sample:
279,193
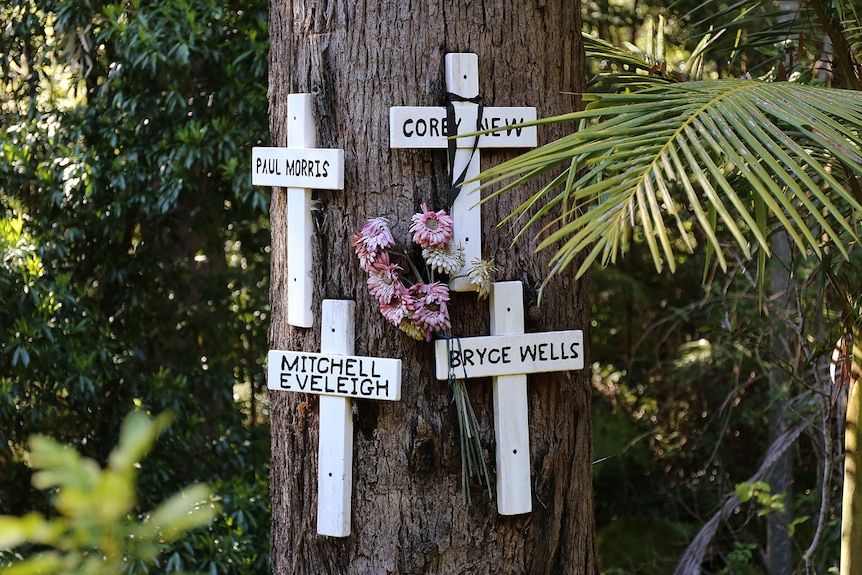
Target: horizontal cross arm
315,168
496,355
427,127
331,374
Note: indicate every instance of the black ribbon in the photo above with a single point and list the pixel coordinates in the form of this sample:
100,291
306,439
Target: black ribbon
452,143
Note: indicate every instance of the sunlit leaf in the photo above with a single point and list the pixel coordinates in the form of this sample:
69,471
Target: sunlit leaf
731,156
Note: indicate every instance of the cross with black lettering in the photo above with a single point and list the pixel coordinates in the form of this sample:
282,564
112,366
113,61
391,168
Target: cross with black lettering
336,375
508,355
428,127
300,167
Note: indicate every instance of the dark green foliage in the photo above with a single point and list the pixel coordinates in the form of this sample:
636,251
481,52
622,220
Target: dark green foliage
688,376
640,546
667,437
134,249
97,530
681,414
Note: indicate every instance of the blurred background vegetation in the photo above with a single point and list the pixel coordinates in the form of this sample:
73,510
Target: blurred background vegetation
135,252
700,375
135,272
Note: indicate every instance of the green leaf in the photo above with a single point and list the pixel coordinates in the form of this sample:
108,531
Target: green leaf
185,510
731,155
46,562
137,435
58,465
32,527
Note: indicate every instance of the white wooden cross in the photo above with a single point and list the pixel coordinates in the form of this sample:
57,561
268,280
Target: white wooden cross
337,376
508,355
300,168
427,127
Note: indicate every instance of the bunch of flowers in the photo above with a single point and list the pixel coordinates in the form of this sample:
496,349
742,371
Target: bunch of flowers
417,307
420,307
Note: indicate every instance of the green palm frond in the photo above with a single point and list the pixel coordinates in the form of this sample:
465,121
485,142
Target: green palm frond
695,162
628,68
849,14
762,36
598,49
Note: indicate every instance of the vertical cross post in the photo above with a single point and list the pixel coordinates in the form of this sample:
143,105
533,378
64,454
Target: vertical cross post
301,133
511,428
428,127
335,449
337,377
462,78
507,356
300,168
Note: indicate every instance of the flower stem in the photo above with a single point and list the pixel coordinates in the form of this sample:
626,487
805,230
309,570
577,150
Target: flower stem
472,453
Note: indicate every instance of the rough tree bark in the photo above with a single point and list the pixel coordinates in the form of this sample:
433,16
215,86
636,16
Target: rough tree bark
779,547
358,59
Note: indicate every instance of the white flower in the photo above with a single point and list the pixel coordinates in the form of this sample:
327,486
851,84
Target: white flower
480,276
445,260
411,329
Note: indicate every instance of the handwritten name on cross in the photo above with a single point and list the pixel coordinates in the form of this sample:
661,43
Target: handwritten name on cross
300,168
508,355
428,127
337,376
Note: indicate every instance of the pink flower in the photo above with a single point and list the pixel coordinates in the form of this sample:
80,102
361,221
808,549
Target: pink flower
429,310
376,234
366,257
370,243
398,308
384,283
434,290
431,229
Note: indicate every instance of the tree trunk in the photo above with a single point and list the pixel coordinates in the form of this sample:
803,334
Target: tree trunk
779,546
358,59
851,509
